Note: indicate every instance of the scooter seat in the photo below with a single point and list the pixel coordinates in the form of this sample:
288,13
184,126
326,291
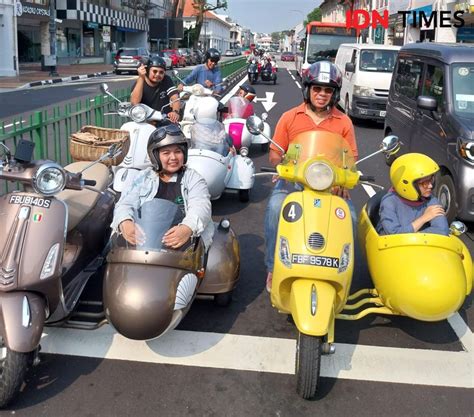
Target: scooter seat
373,207
79,203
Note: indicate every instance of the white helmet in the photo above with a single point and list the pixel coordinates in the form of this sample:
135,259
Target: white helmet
207,109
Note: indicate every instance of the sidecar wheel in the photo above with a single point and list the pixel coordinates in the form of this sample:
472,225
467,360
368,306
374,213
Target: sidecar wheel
308,365
244,196
224,299
13,368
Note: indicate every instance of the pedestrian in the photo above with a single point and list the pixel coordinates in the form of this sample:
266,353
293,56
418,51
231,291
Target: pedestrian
321,88
156,89
207,74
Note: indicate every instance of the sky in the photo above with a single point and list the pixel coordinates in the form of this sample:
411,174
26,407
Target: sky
268,15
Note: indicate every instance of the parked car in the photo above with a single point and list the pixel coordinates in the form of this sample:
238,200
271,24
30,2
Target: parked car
168,60
431,108
129,59
187,55
178,59
229,52
366,75
198,55
287,56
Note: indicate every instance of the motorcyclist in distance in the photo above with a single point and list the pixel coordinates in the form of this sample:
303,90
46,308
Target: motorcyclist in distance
207,74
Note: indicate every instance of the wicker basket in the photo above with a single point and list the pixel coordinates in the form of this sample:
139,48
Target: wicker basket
92,142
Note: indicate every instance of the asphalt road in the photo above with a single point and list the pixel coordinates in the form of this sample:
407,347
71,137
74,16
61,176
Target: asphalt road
238,361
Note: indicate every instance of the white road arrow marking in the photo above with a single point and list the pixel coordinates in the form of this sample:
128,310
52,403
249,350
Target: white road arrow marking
267,102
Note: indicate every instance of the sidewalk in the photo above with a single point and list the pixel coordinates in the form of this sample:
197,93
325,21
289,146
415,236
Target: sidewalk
32,76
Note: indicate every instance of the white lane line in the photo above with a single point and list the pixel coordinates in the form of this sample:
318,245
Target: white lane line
298,84
233,91
462,330
264,354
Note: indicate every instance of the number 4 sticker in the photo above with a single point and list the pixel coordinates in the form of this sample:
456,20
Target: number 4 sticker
292,212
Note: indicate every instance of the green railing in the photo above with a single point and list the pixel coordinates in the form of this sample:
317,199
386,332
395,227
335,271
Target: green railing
227,67
51,128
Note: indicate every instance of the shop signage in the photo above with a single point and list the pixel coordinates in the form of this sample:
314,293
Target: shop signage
92,25
21,9
106,33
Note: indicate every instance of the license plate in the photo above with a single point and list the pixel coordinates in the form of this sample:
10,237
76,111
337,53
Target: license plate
127,61
313,260
30,201
383,113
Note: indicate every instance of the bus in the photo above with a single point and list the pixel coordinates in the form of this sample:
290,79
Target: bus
322,39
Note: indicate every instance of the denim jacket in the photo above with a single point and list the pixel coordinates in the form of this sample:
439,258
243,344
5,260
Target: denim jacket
197,203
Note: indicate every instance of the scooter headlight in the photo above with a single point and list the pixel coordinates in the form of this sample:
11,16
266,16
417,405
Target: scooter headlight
319,176
138,113
49,179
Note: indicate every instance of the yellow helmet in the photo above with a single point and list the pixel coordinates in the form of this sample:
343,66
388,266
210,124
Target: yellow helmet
409,168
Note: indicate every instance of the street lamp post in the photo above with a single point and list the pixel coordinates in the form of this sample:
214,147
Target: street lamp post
52,39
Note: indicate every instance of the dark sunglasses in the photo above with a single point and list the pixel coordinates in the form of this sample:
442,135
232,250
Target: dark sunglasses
318,89
155,71
215,61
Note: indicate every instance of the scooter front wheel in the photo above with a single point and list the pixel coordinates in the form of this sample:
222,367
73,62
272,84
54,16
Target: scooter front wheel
13,368
308,365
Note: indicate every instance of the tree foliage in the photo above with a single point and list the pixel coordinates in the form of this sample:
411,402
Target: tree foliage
313,16
201,7
144,5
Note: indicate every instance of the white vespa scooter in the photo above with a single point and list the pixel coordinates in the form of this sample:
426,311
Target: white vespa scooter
140,130
213,156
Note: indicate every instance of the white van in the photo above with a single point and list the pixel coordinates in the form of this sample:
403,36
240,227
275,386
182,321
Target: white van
366,76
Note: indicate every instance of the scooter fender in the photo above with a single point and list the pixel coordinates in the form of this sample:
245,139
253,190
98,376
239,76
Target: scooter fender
242,177
22,317
312,306
137,155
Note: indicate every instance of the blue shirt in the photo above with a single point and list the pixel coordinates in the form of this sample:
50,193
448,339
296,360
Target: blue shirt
201,73
397,217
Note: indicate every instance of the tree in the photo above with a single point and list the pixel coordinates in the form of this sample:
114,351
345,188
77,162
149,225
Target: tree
314,16
177,8
144,5
276,36
201,7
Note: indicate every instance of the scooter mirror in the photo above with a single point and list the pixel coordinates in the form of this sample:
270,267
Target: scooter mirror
175,73
255,125
264,116
104,88
390,144
457,228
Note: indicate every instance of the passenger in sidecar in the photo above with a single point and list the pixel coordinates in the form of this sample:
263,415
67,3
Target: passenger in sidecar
410,206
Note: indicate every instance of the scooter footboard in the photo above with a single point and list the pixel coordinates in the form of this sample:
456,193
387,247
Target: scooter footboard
312,306
22,317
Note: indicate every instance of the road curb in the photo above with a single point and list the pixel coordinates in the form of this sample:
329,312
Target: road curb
63,79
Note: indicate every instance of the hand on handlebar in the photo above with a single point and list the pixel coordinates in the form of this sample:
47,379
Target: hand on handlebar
180,87
173,116
340,191
209,84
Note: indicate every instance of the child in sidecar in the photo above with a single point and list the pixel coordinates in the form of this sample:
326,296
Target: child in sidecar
410,206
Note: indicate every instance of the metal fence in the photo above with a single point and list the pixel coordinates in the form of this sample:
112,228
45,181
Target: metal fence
51,129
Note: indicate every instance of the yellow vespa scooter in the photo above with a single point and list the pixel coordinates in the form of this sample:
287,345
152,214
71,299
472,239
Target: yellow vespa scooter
314,252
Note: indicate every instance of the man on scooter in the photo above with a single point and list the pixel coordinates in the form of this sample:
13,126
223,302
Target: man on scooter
156,89
168,179
321,87
409,206
207,74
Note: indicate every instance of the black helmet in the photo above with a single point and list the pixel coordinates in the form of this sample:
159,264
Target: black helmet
212,54
250,92
323,73
165,136
155,61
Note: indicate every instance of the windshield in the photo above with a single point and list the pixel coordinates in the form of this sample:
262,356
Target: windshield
463,88
209,134
377,60
325,146
155,218
325,46
238,107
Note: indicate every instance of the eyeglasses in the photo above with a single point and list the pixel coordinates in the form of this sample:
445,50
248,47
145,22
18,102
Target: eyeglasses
214,61
318,89
160,72
426,182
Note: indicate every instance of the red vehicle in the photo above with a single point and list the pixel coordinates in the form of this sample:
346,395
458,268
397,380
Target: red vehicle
287,56
321,43
178,59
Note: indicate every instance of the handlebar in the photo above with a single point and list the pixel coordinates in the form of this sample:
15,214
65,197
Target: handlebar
268,169
89,182
370,178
